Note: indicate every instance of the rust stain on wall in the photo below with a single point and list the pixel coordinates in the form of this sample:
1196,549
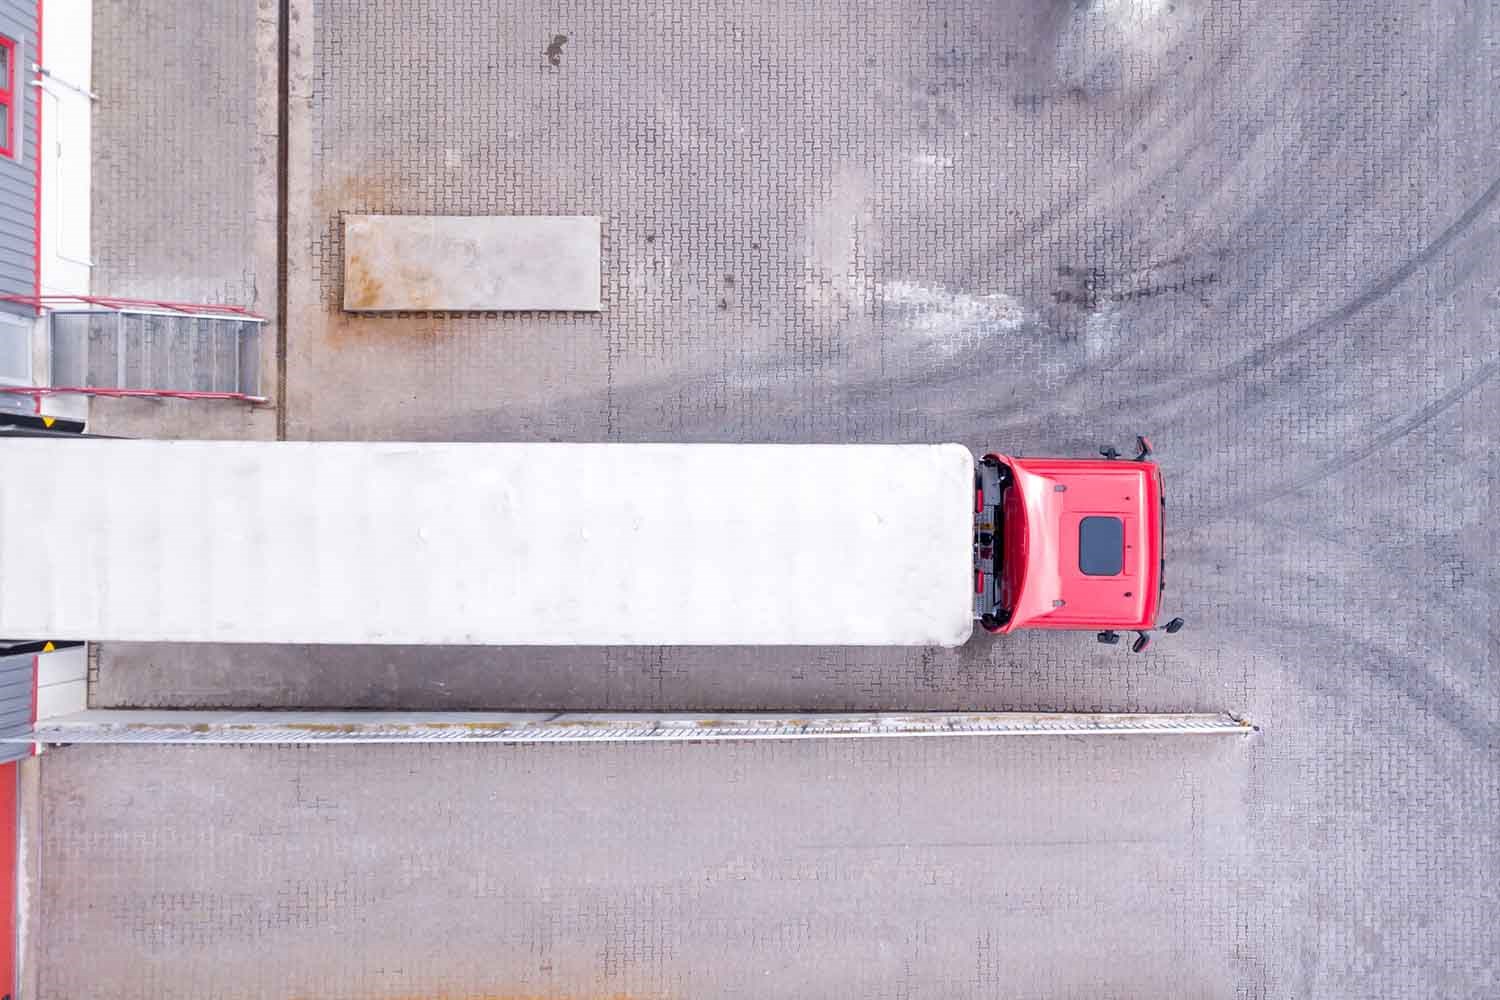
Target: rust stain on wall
345,329
369,287
357,193
418,286
369,192
362,290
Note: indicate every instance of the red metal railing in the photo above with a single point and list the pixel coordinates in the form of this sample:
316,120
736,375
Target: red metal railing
107,304
43,302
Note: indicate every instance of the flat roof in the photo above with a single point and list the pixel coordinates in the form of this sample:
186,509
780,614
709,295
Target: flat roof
524,544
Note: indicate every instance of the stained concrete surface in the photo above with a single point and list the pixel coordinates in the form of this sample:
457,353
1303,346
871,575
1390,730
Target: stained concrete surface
548,872
177,151
471,263
1262,234
184,183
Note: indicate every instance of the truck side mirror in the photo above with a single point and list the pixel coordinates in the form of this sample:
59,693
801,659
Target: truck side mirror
1143,446
1174,626
1110,452
1142,641
1108,638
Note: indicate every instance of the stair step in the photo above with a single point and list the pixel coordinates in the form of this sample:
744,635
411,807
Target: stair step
149,350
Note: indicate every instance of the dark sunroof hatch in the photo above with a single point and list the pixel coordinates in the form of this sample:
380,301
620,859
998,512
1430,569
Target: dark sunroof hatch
1101,546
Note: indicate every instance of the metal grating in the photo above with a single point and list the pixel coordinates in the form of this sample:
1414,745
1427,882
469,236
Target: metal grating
182,726
165,351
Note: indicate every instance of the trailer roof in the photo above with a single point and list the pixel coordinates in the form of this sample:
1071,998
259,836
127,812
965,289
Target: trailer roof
554,544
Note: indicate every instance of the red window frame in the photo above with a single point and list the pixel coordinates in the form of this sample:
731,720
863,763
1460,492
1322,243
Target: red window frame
8,99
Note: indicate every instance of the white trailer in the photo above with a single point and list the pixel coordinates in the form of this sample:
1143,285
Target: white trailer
549,544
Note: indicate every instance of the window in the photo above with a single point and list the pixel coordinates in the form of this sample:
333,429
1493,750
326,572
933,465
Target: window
15,349
1101,546
9,106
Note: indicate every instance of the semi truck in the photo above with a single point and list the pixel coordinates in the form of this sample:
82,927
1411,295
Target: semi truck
571,544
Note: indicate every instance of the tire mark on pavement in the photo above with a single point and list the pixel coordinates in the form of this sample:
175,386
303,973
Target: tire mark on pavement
1459,605
1353,307
1410,676
1247,364
1428,413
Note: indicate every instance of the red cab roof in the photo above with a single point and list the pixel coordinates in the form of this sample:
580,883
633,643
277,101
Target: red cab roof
1093,548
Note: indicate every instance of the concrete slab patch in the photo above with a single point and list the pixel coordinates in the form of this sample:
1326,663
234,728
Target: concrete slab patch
472,263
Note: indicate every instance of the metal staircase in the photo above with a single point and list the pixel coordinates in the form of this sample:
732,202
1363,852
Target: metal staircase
127,347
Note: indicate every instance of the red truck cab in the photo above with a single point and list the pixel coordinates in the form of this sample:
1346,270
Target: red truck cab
1069,544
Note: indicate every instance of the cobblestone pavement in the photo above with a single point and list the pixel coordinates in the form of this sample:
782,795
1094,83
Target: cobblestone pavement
1262,234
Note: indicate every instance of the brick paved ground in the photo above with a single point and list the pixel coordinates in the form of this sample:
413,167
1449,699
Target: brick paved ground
184,181
1263,235
175,147
756,870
